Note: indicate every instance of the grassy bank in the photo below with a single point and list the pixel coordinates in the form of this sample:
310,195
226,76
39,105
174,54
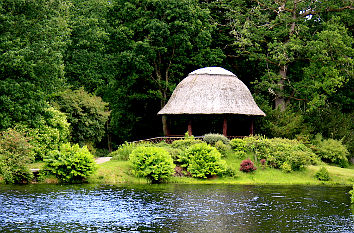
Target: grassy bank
119,172
114,172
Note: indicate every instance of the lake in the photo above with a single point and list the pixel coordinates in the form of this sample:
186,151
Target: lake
174,208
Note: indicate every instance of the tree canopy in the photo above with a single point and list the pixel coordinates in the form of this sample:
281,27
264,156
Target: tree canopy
296,56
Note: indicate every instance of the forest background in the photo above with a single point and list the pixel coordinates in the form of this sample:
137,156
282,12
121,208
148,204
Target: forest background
96,72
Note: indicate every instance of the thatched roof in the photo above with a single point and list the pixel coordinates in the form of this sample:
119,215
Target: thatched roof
211,90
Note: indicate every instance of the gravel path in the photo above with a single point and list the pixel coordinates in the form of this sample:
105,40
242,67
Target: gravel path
102,159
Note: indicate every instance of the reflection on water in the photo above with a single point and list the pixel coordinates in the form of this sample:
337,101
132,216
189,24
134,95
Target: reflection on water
174,208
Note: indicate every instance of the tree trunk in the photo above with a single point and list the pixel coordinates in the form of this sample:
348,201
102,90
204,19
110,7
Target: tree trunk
279,99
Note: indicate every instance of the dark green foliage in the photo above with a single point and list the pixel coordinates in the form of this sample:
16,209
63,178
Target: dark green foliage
154,163
322,174
285,124
33,36
70,164
247,166
332,122
155,44
15,154
88,62
203,161
214,138
331,150
86,113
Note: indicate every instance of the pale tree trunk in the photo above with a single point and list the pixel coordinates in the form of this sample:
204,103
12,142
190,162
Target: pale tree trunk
280,102
279,99
163,88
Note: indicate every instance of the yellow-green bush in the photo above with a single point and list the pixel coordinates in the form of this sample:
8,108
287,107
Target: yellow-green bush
331,150
70,164
154,163
203,161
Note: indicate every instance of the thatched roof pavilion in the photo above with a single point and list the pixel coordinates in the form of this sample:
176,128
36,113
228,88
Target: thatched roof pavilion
211,90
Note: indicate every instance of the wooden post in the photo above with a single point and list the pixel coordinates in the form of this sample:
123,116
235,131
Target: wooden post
251,127
224,127
190,133
166,130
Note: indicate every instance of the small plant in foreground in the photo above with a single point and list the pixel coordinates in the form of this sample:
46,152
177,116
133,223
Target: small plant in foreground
154,163
322,174
247,166
70,164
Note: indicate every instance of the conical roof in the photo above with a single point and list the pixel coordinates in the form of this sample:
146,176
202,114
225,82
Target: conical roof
211,90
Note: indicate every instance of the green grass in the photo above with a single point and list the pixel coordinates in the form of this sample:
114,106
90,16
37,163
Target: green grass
114,172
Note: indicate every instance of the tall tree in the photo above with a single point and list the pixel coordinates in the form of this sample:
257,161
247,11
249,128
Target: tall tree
280,35
33,37
156,44
88,64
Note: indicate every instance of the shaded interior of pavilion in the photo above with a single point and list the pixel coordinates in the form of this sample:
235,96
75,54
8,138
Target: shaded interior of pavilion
201,124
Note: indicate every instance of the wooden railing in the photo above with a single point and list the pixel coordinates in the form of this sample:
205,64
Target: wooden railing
170,139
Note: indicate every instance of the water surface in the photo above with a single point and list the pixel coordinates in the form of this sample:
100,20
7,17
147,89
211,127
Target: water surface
174,208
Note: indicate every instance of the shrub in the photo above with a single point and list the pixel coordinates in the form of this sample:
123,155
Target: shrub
15,153
184,143
123,151
203,161
51,131
87,114
222,148
247,166
154,163
214,138
70,164
277,151
322,174
238,144
286,167
331,150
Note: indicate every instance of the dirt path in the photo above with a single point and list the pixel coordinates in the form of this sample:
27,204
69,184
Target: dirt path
102,159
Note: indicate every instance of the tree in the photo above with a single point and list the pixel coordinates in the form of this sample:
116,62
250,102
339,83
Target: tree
86,113
157,43
286,38
33,36
88,62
